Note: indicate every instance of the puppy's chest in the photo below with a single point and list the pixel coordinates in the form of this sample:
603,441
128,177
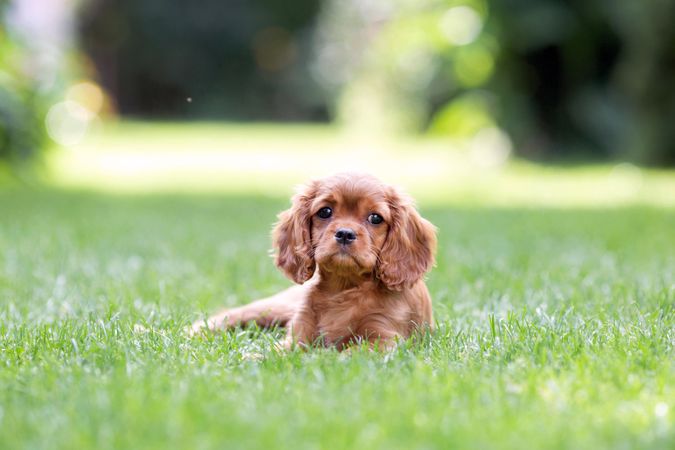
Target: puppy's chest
343,316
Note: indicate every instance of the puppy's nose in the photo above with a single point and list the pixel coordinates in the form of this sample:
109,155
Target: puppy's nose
345,236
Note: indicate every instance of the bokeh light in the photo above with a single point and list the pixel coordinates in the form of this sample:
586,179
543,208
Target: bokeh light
490,147
473,65
464,116
88,94
461,25
67,122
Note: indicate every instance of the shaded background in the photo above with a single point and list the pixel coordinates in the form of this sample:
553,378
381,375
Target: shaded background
559,81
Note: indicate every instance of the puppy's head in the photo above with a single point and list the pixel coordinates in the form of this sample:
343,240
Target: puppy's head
354,225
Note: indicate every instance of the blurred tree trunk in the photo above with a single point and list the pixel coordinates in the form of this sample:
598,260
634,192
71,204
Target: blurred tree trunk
588,78
646,74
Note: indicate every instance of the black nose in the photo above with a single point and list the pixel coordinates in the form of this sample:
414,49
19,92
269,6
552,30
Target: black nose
345,236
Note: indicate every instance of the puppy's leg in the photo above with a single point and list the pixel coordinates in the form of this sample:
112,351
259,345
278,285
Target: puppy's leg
267,312
303,328
379,333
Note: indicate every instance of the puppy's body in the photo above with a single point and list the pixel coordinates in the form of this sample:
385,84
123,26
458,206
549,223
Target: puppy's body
364,313
359,249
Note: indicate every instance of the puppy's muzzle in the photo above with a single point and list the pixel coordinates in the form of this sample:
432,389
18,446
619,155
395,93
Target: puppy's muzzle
345,236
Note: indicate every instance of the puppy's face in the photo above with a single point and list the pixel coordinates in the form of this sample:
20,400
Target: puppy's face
354,225
349,225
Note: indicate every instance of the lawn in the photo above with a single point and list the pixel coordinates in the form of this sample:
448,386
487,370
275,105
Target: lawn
555,329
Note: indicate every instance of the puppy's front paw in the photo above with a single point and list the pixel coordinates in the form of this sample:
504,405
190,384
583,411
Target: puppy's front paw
198,328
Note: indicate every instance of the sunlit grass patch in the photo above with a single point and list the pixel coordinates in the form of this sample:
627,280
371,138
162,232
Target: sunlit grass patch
270,159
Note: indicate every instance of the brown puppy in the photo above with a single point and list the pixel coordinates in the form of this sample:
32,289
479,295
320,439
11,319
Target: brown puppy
359,251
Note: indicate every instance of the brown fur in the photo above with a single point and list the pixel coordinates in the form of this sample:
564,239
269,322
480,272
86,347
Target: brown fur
370,291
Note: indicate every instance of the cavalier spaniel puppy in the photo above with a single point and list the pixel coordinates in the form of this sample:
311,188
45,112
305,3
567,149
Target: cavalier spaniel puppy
358,250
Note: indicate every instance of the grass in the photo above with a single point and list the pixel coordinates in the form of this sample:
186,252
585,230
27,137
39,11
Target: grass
555,330
555,313
135,157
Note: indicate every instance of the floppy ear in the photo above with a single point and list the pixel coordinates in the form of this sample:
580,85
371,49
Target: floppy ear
408,253
292,240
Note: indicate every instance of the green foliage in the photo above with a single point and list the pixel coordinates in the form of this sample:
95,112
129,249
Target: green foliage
22,106
587,77
565,79
399,62
555,330
237,59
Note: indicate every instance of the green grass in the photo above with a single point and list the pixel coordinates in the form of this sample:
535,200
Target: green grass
555,330
138,157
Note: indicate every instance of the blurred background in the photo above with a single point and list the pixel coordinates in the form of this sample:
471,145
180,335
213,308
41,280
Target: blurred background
468,97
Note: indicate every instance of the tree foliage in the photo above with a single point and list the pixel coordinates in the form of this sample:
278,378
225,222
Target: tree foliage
22,104
566,80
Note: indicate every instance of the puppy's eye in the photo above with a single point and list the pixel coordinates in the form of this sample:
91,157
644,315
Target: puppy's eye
375,219
325,213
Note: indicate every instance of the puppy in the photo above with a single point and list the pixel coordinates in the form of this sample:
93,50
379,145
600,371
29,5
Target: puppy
358,250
